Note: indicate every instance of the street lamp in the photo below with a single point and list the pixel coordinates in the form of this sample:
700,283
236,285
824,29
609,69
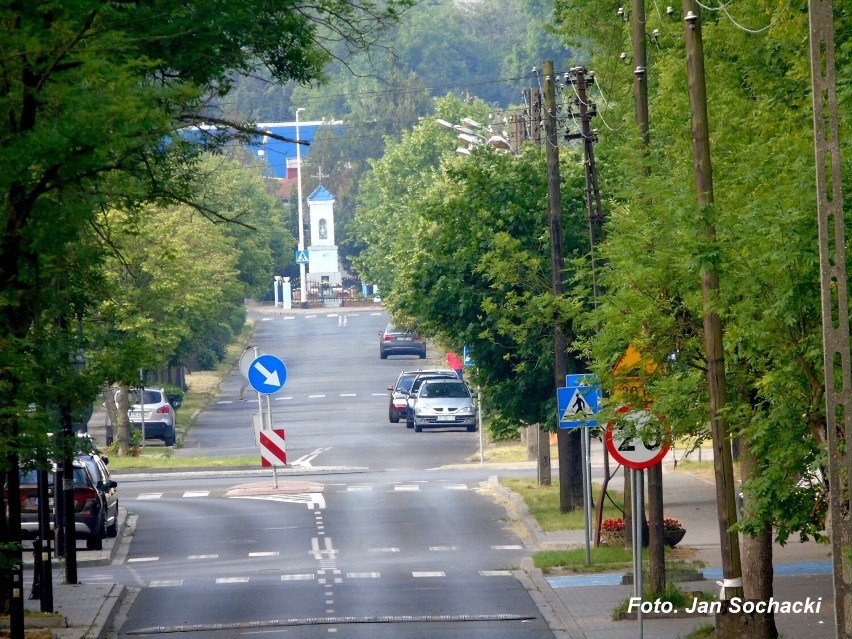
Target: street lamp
303,287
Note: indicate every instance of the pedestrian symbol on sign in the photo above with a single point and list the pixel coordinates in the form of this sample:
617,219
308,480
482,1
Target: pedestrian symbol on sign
578,406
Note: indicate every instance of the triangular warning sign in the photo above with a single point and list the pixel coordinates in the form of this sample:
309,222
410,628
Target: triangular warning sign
578,406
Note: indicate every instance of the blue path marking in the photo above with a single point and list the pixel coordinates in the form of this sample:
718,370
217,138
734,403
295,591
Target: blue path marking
611,579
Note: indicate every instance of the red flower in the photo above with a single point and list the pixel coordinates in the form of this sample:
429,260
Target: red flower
612,525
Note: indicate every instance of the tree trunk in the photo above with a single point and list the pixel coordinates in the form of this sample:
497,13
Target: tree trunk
757,561
117,414
656,549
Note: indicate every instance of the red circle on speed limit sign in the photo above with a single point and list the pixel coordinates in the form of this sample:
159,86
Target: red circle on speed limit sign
633,452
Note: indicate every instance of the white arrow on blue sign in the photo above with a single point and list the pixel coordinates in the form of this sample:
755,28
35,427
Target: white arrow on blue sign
267,374
578,402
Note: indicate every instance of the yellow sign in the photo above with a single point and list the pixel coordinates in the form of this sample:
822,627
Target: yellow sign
628,383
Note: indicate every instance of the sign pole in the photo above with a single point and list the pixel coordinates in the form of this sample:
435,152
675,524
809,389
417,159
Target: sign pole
268,427
637,480
587,494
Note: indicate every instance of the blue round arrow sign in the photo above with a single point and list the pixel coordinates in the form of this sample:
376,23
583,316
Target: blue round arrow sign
267,374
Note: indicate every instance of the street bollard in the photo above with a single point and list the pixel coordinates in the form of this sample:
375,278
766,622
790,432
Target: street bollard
35,591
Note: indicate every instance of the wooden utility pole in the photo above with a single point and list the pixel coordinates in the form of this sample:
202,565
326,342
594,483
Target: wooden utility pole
656,547
835,302
713,345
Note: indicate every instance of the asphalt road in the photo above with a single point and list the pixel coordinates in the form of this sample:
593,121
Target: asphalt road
368,536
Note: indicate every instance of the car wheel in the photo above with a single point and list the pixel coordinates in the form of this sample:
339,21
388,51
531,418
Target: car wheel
423,355
393,416
112,529
418,428
95,541
471,428
409,423
169,441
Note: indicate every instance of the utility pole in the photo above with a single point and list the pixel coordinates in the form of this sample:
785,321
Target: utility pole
835,296
656,547
713,346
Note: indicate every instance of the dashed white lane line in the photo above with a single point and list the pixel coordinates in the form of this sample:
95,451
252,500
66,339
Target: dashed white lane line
149,495
225,401
348,394
442,548
379,394
197,493
166,583
456,487
141,559
269,553
355,489
406,487
301,577
279,399
509,547
495,573
363,575
427,574
382,549
203,557
232,580
316,396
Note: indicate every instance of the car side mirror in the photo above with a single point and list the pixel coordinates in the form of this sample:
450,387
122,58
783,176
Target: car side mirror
105,459
113,483
176,404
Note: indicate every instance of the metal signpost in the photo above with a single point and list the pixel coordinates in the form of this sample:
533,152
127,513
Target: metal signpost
578,403
266,374
633,452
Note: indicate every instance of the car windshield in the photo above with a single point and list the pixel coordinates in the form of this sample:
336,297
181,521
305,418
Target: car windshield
405,382
444,390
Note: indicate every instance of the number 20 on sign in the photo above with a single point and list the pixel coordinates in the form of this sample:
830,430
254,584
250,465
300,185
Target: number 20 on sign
633,452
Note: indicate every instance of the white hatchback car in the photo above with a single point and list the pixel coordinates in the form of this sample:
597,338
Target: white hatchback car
444,402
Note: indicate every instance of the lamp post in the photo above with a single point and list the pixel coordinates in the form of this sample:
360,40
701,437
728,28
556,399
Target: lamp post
303,287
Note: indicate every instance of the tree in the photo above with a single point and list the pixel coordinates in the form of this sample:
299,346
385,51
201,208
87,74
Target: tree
95,96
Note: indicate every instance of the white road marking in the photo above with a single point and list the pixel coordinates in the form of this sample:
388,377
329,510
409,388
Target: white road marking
166,582
203,557
149,496
141,559
266,553
510,547
349,394
232,580
278,399
434,573
380,394
383,550
266,319
495,573
196,493
355,489
226,401
302,577
319,555
456,487
315,396
363,575
289,317
442,548
406,487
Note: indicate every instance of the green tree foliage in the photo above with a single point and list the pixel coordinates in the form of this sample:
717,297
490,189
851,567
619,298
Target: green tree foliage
765,250
95,98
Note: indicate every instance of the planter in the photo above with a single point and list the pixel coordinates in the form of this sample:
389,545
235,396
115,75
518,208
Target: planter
614,539
672,538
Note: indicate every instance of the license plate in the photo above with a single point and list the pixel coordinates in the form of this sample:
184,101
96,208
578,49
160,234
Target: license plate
135,415
404,339
446,418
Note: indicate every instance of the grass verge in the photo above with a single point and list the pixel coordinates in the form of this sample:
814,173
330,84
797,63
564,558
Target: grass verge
543,504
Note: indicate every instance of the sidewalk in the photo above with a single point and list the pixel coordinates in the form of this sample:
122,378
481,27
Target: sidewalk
580,606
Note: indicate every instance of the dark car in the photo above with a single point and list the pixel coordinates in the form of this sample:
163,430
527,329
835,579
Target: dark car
396,342
397,402
95,501
415,386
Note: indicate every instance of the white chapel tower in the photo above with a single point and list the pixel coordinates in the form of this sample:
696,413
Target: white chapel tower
324,267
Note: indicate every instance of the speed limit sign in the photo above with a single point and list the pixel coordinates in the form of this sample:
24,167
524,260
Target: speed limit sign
632,451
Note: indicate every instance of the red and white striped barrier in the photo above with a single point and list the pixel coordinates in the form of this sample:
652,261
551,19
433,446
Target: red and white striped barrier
272,448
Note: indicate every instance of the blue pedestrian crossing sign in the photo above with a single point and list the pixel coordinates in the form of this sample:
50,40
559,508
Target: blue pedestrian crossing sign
578,402
302,257
267,374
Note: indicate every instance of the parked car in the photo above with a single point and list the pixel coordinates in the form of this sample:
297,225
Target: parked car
396,342
444,402
397,402
415,387
95,501
159,414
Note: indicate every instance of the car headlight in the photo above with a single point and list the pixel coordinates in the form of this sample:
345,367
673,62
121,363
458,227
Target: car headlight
466,410
423,409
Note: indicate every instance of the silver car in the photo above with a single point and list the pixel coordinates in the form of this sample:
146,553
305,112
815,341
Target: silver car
444,402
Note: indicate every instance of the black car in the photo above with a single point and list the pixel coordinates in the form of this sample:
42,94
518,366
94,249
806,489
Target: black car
395,342
95,501
397,402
